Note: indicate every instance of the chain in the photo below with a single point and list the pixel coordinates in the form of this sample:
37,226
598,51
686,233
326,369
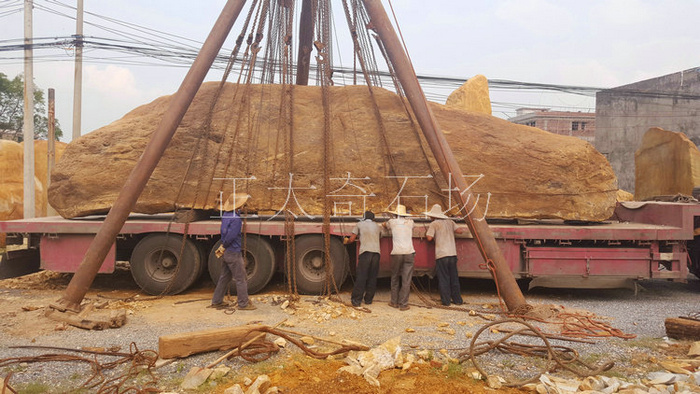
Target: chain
289,261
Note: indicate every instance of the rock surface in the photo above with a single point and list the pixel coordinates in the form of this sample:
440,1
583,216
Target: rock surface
12,182
528,172
666,163
12,190
473,96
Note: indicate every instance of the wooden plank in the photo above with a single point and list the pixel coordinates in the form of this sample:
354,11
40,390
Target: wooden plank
116,318
680,328
188,343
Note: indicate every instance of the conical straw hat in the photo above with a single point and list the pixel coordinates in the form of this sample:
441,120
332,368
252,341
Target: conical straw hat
436,212
400,210
234,201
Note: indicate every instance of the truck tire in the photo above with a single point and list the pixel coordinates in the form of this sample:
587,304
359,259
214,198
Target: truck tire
260,264
309,266
158,268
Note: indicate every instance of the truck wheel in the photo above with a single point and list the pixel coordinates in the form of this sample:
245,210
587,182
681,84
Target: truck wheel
158,268
310,269
260,264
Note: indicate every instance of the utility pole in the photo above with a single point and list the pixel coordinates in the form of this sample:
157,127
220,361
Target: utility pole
28,126
78,80
51,148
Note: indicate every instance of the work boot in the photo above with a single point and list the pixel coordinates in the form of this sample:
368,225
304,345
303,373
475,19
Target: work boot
391,304
221,305
249,307
404,308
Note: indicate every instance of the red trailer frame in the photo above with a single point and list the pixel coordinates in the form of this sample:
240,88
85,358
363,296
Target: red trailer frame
644,241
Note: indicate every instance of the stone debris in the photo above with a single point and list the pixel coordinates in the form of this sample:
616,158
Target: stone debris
307,340
219,372
260,385
694,350
409,329
195,378
495,381
281,342
371,363
424,355
235,389
659,382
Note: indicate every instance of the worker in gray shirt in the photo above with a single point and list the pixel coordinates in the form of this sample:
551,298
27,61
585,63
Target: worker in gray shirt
367,261
442,230
402,257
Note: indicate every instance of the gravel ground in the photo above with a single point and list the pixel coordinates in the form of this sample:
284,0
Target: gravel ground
642,315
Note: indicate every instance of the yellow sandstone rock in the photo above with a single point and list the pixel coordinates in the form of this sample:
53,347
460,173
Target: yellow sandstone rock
666,163
473,96
527,172
12,183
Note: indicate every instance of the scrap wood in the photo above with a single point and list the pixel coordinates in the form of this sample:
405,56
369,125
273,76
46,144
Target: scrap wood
188,343
243,346
116,318
682,328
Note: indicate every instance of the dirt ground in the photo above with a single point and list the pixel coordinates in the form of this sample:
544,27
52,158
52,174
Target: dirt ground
23,301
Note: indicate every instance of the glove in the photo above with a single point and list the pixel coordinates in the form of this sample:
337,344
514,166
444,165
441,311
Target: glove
220,251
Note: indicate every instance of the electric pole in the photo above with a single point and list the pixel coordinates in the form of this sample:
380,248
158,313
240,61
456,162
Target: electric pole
28,126
78,80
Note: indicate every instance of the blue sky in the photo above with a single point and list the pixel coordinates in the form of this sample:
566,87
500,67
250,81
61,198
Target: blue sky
588,43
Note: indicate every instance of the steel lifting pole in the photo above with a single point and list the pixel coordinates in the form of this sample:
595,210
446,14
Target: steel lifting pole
488,247
306,40
134,185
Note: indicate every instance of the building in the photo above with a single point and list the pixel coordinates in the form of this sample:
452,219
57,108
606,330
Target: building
575,124
625,113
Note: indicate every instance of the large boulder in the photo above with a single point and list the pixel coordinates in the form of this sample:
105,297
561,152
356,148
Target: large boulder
473,96
666,163
528,172
12,183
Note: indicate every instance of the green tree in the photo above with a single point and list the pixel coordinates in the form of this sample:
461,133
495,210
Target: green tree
12,110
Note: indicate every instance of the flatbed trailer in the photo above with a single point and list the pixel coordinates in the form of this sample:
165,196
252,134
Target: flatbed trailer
652,240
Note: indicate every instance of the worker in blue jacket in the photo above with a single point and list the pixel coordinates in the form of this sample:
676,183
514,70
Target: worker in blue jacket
233,263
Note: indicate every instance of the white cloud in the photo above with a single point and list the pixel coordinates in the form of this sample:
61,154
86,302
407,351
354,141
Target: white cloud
117,82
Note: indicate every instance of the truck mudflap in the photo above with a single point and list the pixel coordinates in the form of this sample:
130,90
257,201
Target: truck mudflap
604,267
19,262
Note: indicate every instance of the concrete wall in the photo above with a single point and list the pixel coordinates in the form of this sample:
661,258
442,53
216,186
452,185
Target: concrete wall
625,113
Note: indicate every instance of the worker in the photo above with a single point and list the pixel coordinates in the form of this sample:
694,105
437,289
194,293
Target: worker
442,230
232,264
368,260
402,257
